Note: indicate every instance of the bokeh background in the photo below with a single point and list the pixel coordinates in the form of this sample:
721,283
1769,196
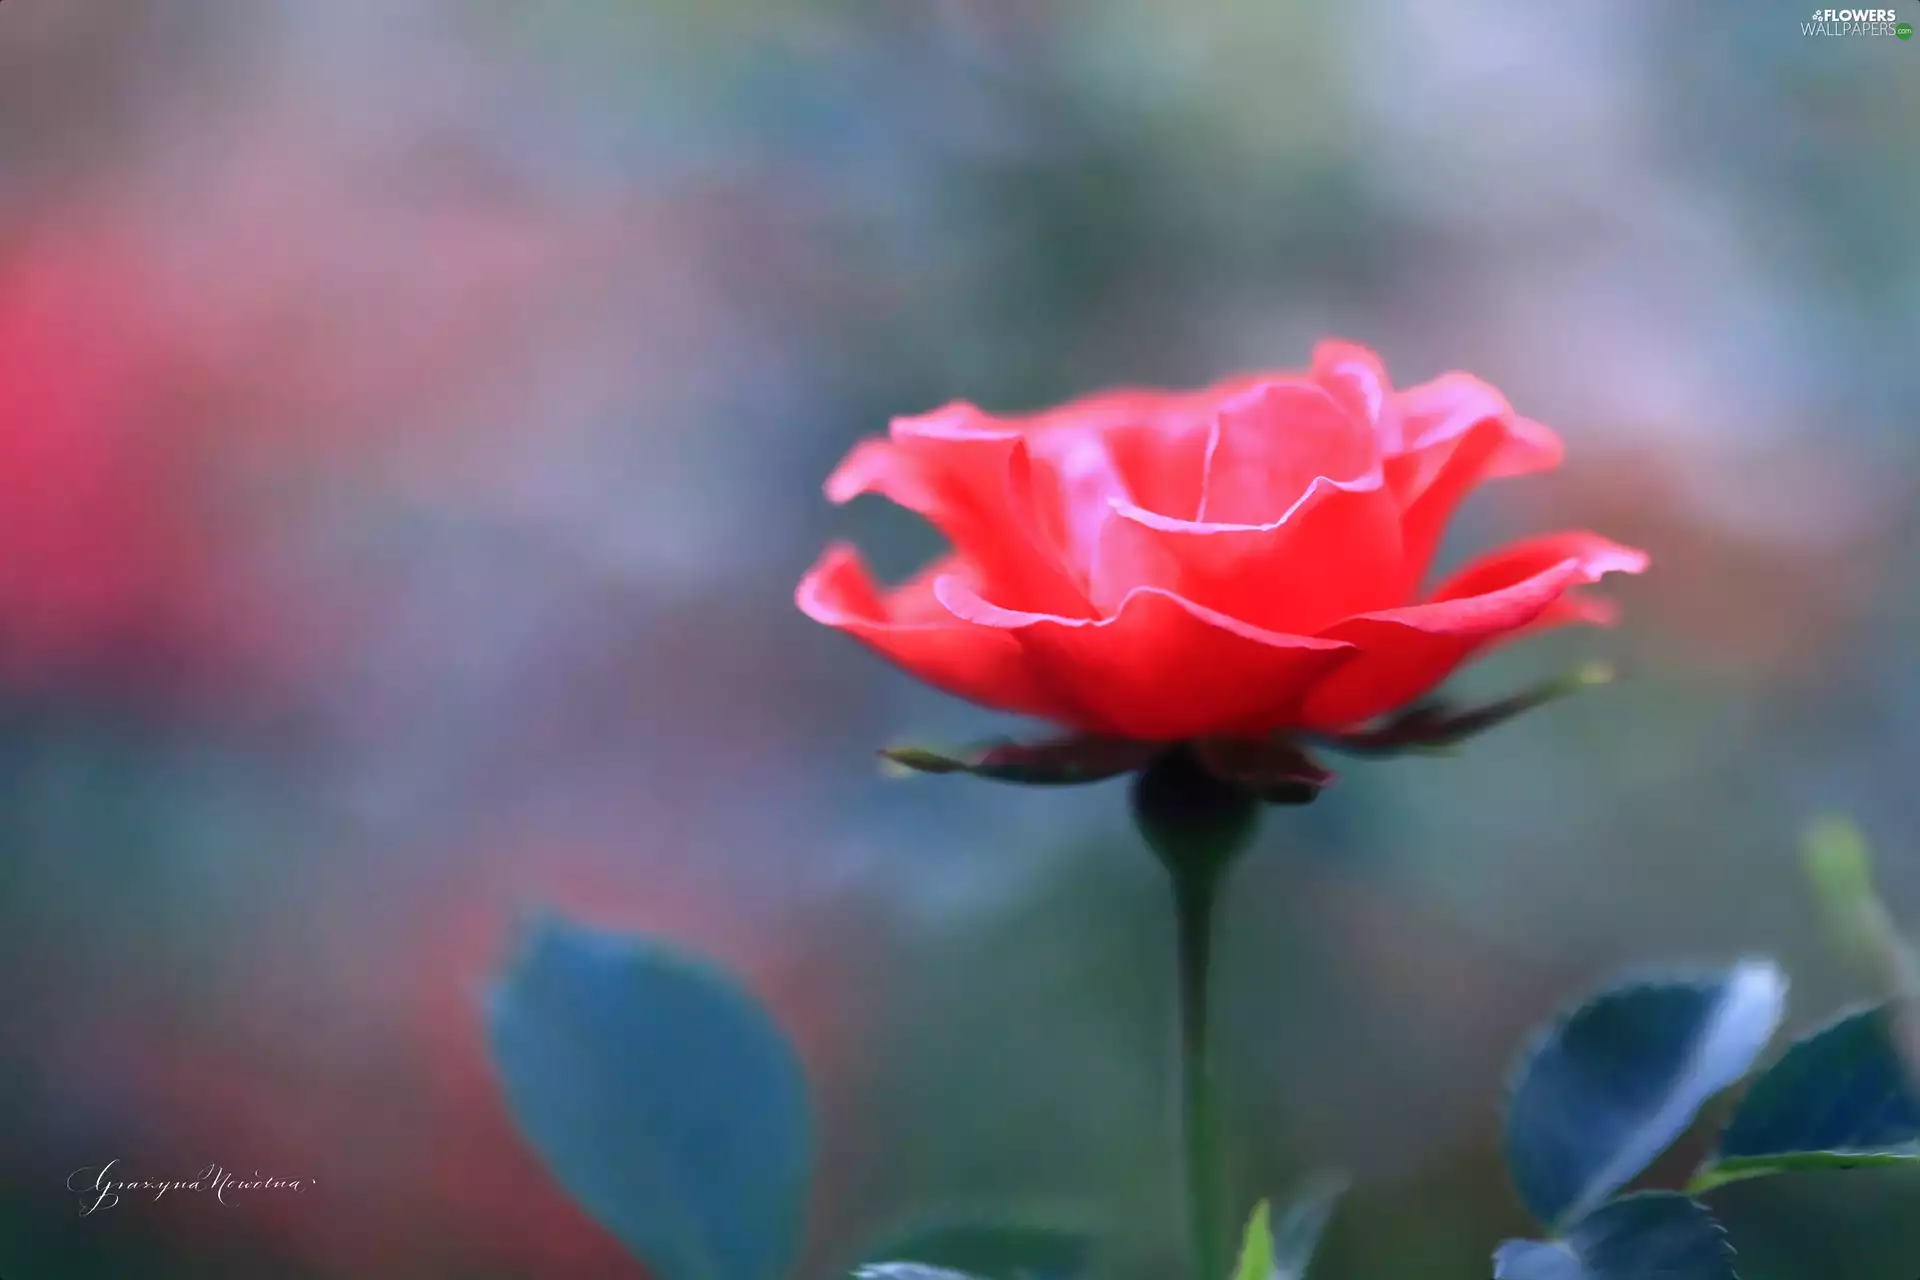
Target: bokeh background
412,418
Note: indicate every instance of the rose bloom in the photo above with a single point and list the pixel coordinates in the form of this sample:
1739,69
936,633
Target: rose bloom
1232,562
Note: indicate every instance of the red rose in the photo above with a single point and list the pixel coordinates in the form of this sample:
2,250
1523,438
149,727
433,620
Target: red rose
1228,562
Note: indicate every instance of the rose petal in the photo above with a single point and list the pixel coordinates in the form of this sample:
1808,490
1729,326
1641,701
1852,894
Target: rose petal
911,629
1271,443
1452,403
1154,442
1542,552
1432,483
1356,378
1077,482
1140,448
1528,557
1335,554
1406,652
1462,434
1161,668
971,478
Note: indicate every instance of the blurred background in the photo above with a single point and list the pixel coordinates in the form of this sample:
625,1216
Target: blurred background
412,422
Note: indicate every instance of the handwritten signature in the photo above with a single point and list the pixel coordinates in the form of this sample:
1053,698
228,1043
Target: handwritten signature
99,1188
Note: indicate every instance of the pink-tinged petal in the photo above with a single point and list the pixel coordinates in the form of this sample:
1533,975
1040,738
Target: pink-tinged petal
1161,668
1578,608
1453,455
1335,554
971,477
910,628
1271,443
1542,552
1356,378
1159,457
1432,483
1407,652
1076,483
1519,561
1452,404
1155,442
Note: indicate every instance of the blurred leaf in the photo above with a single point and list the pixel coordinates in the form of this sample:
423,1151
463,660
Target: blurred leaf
662,1098
1610,1086
1639,1237
994,1250
1063,762
1840,867
1285,1254
1256,1247
1299,1233
908,1271
1842,1096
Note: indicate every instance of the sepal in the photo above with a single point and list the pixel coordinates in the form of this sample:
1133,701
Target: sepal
1436,727
1059,762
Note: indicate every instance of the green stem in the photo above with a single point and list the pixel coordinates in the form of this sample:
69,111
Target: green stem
1194,891
1196,823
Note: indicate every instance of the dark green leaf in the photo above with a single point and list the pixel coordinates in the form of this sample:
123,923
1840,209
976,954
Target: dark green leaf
1606,1089
1844,1095
1643,1237
661,1097
1064,762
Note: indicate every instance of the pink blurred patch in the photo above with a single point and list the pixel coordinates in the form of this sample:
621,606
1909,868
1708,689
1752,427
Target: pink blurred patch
198,402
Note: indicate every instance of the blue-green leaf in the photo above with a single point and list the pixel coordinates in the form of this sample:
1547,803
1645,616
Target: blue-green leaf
908,1271
994,1250
1844,1095
1610,1086
661,1097
1658,1234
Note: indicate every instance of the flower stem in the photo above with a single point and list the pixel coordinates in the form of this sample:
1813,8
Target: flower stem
1196,823
1194,892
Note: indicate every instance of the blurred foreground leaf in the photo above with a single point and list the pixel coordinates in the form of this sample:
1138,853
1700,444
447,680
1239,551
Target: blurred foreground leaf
1256,1247
1610,1086
1842,1096
908,1271
1286,1253
661,1097
1641,1237
1298,1234
991,1250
